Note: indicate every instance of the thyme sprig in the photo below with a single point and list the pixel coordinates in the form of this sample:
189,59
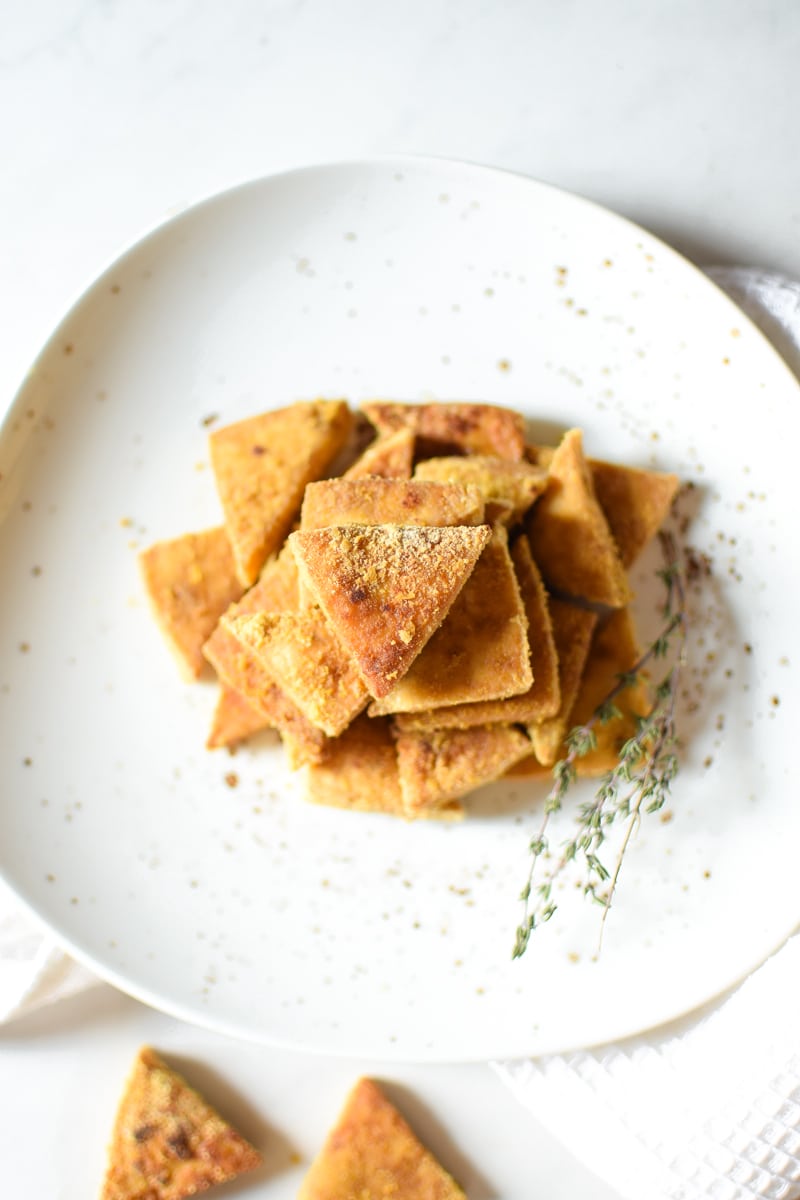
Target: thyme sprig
638,784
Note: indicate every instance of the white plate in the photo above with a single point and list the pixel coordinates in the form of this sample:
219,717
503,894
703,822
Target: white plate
244,908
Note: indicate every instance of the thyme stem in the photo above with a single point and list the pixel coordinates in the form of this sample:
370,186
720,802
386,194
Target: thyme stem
647,762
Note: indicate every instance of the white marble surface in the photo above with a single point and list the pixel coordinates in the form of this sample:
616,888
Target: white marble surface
681,115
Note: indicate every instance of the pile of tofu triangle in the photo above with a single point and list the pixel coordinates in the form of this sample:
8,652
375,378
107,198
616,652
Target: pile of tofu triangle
416,597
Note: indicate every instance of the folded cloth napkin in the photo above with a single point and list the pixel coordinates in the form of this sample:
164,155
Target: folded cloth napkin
33,970
709,1106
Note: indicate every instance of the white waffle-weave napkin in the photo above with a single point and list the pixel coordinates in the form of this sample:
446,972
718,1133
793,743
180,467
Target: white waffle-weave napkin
33,970
710,1106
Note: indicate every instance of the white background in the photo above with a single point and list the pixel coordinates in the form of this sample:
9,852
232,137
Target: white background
679,114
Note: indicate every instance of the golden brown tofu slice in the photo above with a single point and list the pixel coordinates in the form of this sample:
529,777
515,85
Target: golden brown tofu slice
542,698
480,651
635,502
446,764
390,457
303,656
511,487
190,581
540,456
389,502
234,720
359,772
452,427
277,590
569,534
613,652
262,466
167,1142
572,630
239,669
386,588
372,1154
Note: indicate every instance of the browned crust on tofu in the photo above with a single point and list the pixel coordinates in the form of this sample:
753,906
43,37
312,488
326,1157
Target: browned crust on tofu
238,667
542,698
572,630
480,651
386,588
635,502
509,486
167,1142
390,457
262,465
303,656
453,427
234,720
446,764
277,590
372,1154
569,534
190,581
359,773
373,501
614,650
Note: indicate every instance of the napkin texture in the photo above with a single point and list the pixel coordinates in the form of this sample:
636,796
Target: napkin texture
33,970
708,1107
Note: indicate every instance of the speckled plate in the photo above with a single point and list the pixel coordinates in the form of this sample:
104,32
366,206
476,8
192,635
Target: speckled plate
204,884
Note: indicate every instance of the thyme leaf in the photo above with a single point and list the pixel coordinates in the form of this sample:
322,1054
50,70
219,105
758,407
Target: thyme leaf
639,783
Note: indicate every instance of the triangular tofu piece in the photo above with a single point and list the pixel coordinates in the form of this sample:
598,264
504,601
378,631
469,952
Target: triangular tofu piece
635,502
572,630
190,581
614,651
390,457
262,466
359,772
389,502
167,1142
303,656
452,427
234,720
511,487
238,668
235,717
542,698
569,534
277,590
372,1154
386,588
480,651
445,764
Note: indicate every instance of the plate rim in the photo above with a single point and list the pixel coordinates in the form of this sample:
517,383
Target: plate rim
207,199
